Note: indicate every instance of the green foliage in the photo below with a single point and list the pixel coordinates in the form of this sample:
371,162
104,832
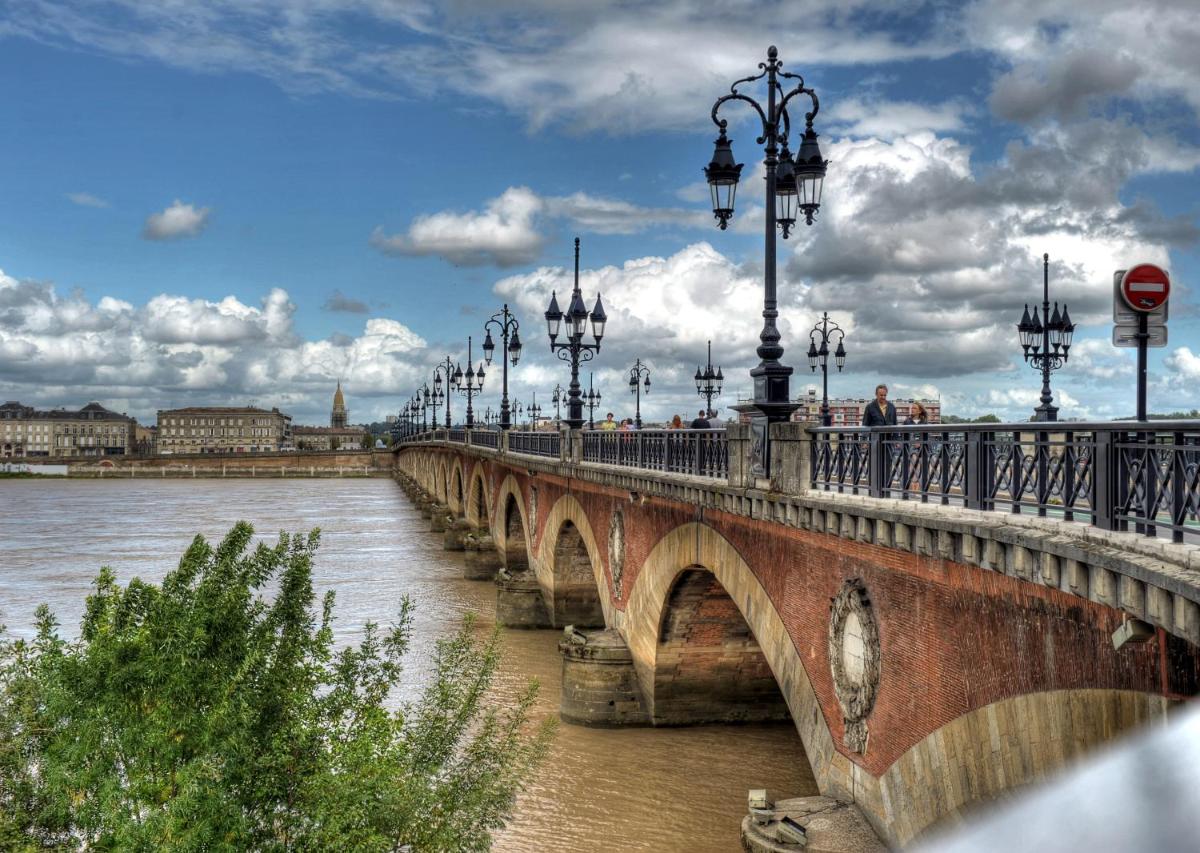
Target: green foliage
982,419
203,714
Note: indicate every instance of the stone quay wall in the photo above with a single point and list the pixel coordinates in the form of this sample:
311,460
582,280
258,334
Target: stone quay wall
364,463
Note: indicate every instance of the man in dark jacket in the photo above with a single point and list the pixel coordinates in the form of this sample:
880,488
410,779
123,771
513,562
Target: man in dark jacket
879,412
700,422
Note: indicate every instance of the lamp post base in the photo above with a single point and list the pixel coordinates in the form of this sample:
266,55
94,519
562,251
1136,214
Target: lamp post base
771,392
1045,412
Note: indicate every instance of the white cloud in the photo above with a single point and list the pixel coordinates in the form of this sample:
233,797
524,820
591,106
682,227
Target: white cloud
1185,363
504,233
87,200
176,222
508,231
890,119
174,350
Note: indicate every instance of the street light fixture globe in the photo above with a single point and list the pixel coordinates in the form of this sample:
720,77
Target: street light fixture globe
840,356
489,347
599,319
577,317
554,316
514,348
810,174
722,175
786,193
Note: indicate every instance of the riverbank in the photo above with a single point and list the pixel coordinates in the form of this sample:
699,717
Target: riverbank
291,465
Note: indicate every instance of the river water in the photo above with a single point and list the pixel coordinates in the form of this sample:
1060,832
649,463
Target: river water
600,789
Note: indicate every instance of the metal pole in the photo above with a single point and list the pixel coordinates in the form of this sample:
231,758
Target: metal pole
1143,337
505,422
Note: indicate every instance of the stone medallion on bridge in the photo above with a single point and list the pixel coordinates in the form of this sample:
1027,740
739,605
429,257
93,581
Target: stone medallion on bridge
854,659
616,550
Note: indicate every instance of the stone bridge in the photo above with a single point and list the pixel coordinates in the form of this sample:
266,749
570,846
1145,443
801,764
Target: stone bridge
931,657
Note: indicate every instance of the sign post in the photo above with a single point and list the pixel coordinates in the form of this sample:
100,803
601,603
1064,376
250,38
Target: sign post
1144,289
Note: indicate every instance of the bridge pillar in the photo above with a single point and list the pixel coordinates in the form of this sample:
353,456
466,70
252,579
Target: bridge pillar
599,683
440,518
741,456
482,559
519,600
830,826
456,532
791,463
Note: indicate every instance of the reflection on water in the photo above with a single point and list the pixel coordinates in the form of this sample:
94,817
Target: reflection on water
600,789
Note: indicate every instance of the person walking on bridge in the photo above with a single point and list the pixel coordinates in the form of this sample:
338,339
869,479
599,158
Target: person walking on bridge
608,423
700,421
879,412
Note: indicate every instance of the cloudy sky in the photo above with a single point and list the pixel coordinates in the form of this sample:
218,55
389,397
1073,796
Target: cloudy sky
238,201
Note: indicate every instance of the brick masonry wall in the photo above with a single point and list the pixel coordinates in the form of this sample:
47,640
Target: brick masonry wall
954,638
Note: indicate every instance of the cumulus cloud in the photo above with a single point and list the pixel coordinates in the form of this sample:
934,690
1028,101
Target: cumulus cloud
176,222
60,349
509,230
87,200
342,303
888,119
504,233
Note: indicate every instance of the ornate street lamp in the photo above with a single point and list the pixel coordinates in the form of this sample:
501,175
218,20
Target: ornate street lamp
558,398
592,399
708,382
419,406
443,378
574,349
533,412
517,409
639,375
819,357
793,188
1046,344
469,383
510,337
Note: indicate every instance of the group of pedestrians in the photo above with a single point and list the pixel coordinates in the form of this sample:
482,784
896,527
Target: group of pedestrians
879,412
703,420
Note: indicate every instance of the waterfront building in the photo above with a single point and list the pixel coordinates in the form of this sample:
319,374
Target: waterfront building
222,429
90,431
331,438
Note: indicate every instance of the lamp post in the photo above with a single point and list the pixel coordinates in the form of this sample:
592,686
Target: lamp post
639,375
558,398
434,397
419,406
517,408
510,337
533,412
708,382
592,399
1046,343
574,349
470,383
405,425
793,187
819,357
443,372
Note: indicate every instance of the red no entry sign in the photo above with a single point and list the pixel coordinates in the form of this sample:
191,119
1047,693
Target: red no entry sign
1145,287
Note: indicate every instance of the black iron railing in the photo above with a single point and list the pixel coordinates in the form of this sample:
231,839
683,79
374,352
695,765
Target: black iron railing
457,435
535,443
1117,476
485,438
700,452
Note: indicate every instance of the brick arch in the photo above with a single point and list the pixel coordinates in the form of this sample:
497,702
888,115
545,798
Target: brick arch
455,496
698,545
478,511
510,525
571,569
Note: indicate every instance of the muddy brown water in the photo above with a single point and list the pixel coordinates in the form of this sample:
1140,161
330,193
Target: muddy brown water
680,789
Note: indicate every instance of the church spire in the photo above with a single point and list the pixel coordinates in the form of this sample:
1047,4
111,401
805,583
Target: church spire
338,416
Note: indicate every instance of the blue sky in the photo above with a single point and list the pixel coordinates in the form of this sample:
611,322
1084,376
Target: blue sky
227,203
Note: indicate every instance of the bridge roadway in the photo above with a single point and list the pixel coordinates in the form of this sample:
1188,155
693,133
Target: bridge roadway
931,657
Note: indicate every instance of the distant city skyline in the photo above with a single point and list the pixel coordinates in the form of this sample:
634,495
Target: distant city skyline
198,214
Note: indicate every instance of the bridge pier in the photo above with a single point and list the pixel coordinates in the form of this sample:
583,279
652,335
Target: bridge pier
439,518
456,531
599,683
482,560
519,600
831,826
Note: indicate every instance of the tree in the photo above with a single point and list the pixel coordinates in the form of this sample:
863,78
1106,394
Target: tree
367,441
203,715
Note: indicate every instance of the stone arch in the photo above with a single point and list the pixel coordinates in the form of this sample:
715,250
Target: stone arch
695,545
956,768
477,511
441,476
510,526
571,569
454,490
